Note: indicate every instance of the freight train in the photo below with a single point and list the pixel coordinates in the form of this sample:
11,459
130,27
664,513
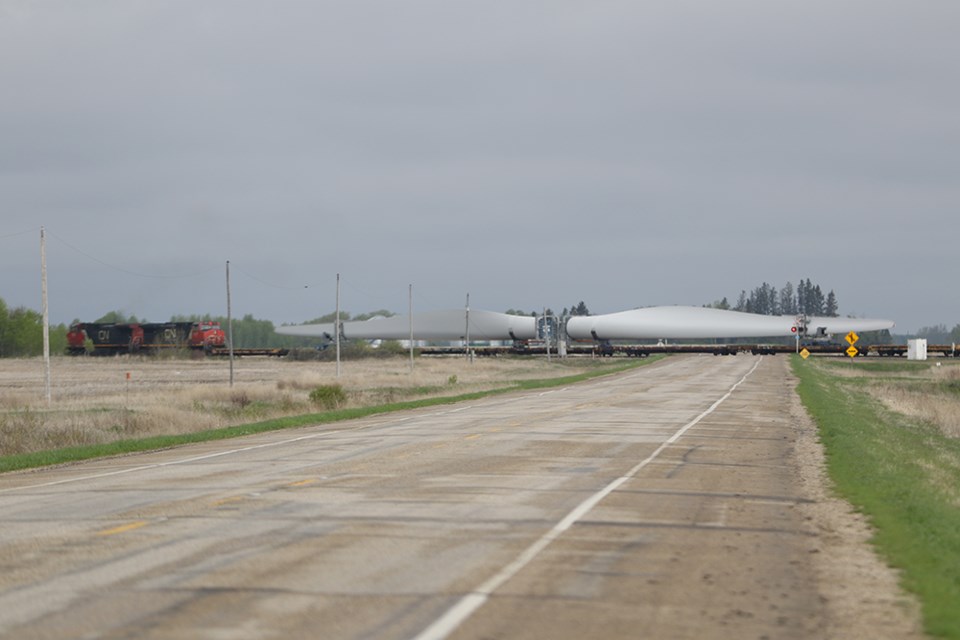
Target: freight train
135,337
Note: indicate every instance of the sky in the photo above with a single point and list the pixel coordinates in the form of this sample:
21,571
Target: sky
528,154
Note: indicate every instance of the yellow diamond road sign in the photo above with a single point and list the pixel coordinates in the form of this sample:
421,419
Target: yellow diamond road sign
852,337
852,351
804,354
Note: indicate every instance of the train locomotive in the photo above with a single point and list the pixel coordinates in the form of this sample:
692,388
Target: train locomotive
150,337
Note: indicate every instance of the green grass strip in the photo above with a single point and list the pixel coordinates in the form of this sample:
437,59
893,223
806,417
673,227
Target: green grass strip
119,447
905,477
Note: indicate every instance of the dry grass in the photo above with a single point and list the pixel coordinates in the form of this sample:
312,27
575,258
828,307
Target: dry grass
932,395
94,401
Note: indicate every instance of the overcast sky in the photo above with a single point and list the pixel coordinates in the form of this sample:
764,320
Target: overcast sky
529,153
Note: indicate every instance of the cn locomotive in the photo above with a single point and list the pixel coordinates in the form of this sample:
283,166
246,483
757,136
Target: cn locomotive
150,337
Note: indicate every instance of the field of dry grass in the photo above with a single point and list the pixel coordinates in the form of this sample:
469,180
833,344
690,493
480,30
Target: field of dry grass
99,400
934,397
927,390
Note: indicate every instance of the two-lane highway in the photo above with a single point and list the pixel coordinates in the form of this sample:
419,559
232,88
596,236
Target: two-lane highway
656,503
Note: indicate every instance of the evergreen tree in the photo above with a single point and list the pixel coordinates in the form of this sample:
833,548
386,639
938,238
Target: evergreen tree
719,304
741,301
817,302
802,297
830,306
788,303
806,298
773,300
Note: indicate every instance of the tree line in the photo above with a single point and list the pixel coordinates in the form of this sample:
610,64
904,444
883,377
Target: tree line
579,309
21,333
807,298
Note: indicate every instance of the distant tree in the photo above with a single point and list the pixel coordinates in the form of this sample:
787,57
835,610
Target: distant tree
788,302
936,334
719,304
807,298
379,313
810,298
763,300
817,303
117,317
830,306
955,334
330,317
876,337
580,309
741,301
757,303
772,300
22,333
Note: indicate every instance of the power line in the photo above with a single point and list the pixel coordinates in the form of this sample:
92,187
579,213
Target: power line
19,233
271,284
128,271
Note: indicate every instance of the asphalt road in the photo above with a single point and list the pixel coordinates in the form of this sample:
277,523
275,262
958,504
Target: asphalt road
658,503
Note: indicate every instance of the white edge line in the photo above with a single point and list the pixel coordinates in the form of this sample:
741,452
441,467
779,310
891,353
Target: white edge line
447,623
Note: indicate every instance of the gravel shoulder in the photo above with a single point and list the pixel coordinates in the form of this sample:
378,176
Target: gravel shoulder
861,594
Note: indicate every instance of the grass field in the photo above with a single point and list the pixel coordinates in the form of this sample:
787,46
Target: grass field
890,433
106,406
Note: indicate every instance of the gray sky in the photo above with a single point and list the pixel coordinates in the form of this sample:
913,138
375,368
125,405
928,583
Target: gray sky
531,153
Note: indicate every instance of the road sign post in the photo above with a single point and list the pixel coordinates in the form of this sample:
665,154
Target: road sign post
852,339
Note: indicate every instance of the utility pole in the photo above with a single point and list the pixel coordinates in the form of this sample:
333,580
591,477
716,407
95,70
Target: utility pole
546,333
229,324
410,316
336,325
46,313
467,333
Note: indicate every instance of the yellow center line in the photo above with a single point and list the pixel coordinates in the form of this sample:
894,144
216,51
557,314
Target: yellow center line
301,483
123,528
473,436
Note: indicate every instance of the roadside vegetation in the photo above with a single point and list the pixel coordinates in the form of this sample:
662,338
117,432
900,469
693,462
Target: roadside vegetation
891,431
99,410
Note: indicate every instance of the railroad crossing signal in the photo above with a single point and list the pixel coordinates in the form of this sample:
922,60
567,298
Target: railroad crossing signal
805,353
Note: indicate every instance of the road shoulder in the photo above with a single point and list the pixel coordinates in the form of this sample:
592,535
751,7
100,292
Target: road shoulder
861,594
